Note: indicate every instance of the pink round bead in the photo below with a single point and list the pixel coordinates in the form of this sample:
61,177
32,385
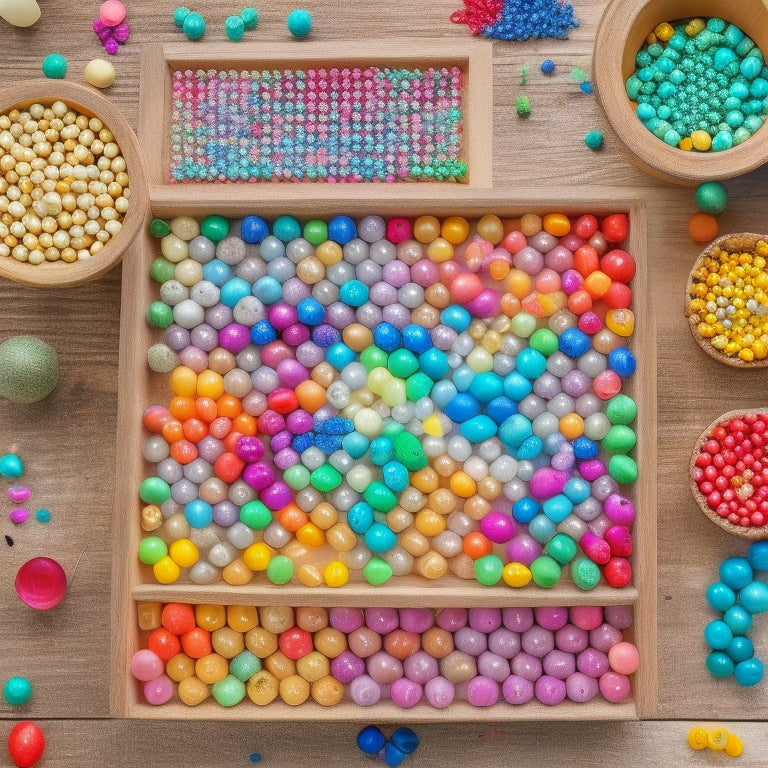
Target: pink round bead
452,619
483,691
485,620
439,692
614,687
619,509
382,620
278,495
620,616
547,482
517,690
405,693
146,665
159,690
504,642
365,691
19,515
497,527
551,617
592,662
526,666
384,668
486,305
624,658
604,637
538,641
420,667
517,619
415,619
571,638
549,690
111,12
580,687
523,549
345,619
559,664
399,230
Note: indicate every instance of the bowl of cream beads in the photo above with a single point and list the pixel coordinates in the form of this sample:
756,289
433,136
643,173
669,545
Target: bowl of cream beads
360,400
726,300
72,185
684,85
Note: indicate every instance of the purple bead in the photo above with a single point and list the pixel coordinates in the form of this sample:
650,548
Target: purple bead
346,667
439,692
485,620
250,448
620,616
551,617
299,422
405,693
504,642
276,443
420,667
121,32
209,448
564,459
382,620
529,260
580,687
575,383
517,690
592,662
384,668
346,620
286,459
218,316
296,334
295,290
517,619
325,334
549,690
278,495
383,294
527,666
397,274
291,373
104,34
259,475
604,637
559,258
537,641
523,549
365,691
415,619
424,273
397,314
452,619
547,386
176,337
470,641
443,337
111,45
571,241
234,337
282,315
98,25
571,639
483,691
340,315
492,665
559,664
225,513
309,354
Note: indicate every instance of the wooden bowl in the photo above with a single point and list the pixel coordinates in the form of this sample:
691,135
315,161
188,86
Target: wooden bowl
84,100
621,33
743,242
752,533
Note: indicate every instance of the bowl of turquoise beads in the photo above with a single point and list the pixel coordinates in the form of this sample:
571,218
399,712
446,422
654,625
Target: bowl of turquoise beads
684,85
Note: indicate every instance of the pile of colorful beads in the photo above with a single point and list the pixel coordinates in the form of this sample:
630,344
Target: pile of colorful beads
12,467
334,125
483,656
731,473
110,25
357,400
700,85
517,19
739,595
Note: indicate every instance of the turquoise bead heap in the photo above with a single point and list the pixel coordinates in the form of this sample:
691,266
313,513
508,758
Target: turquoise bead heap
705,77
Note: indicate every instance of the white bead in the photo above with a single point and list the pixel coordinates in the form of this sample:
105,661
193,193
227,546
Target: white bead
172,292
596,426
447,544
531,406
503,469
341,461
356,558
276,536
222,554
592,363
475,467
525,470
545,424
490,450
205,293
312,458
359,478
344,498
399,560
459,448
354,375
515,489
461,523
203,572
433,446
240,535
561,405
338,394
188,314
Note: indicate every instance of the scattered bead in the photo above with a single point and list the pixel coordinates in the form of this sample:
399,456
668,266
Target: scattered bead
299,23
711,197
703,227
547,66
55,66
41,583
100,73
26,744
594,139
234,26
191,23
523,106
17,691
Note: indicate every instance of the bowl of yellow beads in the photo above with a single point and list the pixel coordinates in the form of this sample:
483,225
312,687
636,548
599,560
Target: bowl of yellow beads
73,192
726,300
683,84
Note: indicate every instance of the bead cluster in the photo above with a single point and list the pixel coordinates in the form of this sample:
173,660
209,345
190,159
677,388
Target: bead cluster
517,19
700,85
728,300
717,739
362,400
483,656
110,25
334,125
739,595
392,750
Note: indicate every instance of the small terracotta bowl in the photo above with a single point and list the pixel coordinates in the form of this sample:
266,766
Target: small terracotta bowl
621,33
745,532
83,100
742,242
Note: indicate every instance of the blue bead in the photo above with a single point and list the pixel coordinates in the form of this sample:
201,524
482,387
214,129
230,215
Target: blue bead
547,66
529,449
486,386
328,444
514,430
754,597
500,409
525,509
387,337
395,476
380,538
371,740
517,386
353,293
720,664
339,355
325,335
738,619
557,508
310,311
254,229
757,555
300,443
574,342
749,672
360,517
462,377
717,635
382,450
740,648
577,490
286,228
736,572
456,317
393,756
198,513
479,428
234,290
622,361
531,363
405,740
341,229
416,338
218,272
336,425
262,332
355,444
720,596
461,408
584,448
267,290
434,363
443,392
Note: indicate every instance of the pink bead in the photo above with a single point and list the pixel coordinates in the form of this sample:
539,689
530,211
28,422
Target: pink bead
517,619
591,469
486,305
194,358
282,315
607,384
490,664
399,230
537,641
497,527
270,423
291,373
121,32
547,281
547,482
529,260
620,616
19,515
523,549
111,12
365,691
405,693
592,662
420,667
146,665
571,281
614,687
517,690
514,241
571,241
158,690
559,664
551,617
439,692
624,658
526,666
604,637
485,620
504,642
286,458
452,619
249,448
619,539
590,323
384,668
595,548
424,272
619,509
346,619
415,619
346,667
580,687
234,337
483,691
470,641
18,494
465,287
571,638
274,353
259,475
254,403
586,617
382,620
559,258
549,690
296,334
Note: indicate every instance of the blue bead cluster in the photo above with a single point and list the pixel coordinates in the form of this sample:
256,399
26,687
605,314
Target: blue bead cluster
518,19
394,750
739,595
327,435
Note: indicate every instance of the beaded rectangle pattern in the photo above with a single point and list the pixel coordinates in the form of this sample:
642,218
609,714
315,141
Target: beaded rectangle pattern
317,125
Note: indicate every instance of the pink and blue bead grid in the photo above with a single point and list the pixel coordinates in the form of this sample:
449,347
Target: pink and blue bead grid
319,125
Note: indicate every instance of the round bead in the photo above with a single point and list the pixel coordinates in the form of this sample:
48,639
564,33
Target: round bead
55,66
299,23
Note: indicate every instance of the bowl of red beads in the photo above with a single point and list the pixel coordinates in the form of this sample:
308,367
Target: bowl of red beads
729,473
682,83
726,300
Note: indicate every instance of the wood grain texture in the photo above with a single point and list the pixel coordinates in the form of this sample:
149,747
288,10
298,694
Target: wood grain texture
69,442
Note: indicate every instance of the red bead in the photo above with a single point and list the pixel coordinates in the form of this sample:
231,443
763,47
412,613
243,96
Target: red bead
615,227
618,572
585,226
619,539
282,401
26,744
228,467
618,265
295,642
618,296
164,643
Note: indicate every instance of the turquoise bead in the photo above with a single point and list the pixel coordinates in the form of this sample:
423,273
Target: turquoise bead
479,428
738,619
749,672
720,596
11,465
193,25
380,538
757,555
55,66
234,26
395,476
719,664
736,572
717,635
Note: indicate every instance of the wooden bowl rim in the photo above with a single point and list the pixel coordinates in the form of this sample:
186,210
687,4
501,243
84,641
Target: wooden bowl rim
752,533
87,101
734,362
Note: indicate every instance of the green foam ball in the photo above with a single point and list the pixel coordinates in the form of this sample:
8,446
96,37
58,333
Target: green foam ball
29,369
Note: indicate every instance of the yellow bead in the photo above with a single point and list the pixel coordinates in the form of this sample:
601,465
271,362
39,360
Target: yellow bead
257,556
462,484
701,141
717,739
620,321
698,738
557,224
210,384
242,618
179,667
734,746
237,573
432,426
694,26
211,668
516,574
227,642
166,571
426,229
192,691
184,381
429,523
686,144
341,537
329,253
664,31
440,250
311,535
262,688
455,229
309,575
336,574
210,616
184,552
490,228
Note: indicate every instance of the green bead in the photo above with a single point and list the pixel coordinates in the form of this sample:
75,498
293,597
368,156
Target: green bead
585,573
280,569
297,477
373,357
214,227
234,27
161,270
245,665
159,228
380,497
402,363
17,691
620,439
417,386
159,314
286,228
326,478
250,17
488,569
377,571
544,340
392,430
316,231
621,409
561,547
594,139
54,66
179,15
711,197
154,490
545,571
229,691
255,514
622,469
193,25
408,451
152,550
299,23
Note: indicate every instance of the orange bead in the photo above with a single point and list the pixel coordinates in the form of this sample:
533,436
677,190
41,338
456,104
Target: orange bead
228,466
205,408
245,424
462,484
510,304
311,395
172,431
579,302
498,269
703,227
455,229
585,260
220,427
155,417
164,643
178,618
183,451
571,426
557,224
184,381
519,283
228,405
596,283
210,384
476,545
182,407
194,430
231,440
197,643
292,517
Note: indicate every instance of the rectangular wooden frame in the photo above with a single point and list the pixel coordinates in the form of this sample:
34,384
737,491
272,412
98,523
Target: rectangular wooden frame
139,388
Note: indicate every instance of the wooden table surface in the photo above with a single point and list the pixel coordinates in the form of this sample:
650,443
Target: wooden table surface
68,442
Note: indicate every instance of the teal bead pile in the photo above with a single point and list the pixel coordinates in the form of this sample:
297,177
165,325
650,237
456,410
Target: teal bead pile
713,80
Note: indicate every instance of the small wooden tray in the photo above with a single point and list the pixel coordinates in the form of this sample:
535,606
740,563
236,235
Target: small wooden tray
751,533
743,242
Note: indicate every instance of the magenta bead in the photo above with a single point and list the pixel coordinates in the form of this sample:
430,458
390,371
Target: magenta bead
551,617
571,281
571,638
497,527
517,690
279,441
146,665
382,620
405,693
121,32
278,495
259,475
296,334
484,620
586,617
620,616
415,619
592,662
18,515
271,422
452,619
420,667
492,665
523,549
580,688
559,664
249,448
347,666
591,469
159,690
504,642
18,494
299,422
111,45
291,373
549,690
346,620
619,509
365,691
517,619
234,338
614,687
526,666
470,641
483,691
439,692
282,315
487,304
425,273
41,583
399,230
547,482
